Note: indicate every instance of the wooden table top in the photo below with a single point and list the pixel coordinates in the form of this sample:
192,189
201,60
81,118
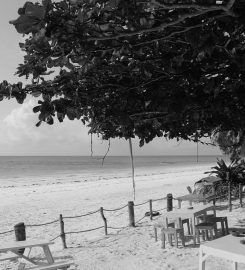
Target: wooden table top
187,212
13,245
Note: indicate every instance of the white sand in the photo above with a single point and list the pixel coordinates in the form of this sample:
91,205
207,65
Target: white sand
129,248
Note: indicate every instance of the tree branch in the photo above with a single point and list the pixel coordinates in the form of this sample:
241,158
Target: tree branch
225,8
185,6
188,28
147,113
162,26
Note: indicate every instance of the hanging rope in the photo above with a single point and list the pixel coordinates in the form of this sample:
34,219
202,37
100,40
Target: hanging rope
197,140
132,163
91,145
197,151
108,149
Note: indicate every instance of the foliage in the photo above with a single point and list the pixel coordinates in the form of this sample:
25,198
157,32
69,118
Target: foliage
172,68
234,172
231,143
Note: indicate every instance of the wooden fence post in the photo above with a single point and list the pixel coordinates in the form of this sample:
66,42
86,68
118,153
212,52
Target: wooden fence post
104,219
169,202
131,214
151,212
240,193
62,232
20,234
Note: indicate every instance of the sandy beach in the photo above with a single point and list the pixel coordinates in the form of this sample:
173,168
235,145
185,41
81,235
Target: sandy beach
128,248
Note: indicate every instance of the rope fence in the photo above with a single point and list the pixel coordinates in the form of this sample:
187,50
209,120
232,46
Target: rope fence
131,218
43,224
116,209
164,198
55,238
88,230
140,220
61,220
84,215
131,207
139,204
6,232
118,228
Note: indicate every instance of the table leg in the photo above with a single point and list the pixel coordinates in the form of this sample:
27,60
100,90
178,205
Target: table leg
203,235
191,226
226,226
163,238
201,259
170,239
176,239
198,236
179,204
235,266
48,254
155,232
182,237
193,231
188,227
216,231
22,262
194,239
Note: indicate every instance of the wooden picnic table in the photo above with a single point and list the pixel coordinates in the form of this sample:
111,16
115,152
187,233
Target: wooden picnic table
227,247
13,247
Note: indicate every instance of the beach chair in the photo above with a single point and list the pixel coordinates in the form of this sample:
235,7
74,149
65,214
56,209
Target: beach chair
207,229
172,230
223,223
162,225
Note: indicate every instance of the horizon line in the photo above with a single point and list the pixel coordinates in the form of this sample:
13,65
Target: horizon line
111,155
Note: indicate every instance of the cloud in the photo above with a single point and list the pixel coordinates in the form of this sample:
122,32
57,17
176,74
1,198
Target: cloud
20,136
19,125
18,130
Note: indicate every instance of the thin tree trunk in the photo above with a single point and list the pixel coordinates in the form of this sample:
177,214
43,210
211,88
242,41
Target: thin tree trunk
132,163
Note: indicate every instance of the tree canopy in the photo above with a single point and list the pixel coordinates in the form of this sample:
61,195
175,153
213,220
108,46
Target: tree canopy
126,68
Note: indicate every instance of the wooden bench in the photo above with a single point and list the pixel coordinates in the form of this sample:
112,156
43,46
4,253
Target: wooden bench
54,266
8,256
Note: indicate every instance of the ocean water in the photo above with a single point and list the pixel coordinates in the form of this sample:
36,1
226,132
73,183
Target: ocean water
15,170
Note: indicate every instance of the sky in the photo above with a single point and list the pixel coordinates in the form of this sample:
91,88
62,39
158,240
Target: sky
19,135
